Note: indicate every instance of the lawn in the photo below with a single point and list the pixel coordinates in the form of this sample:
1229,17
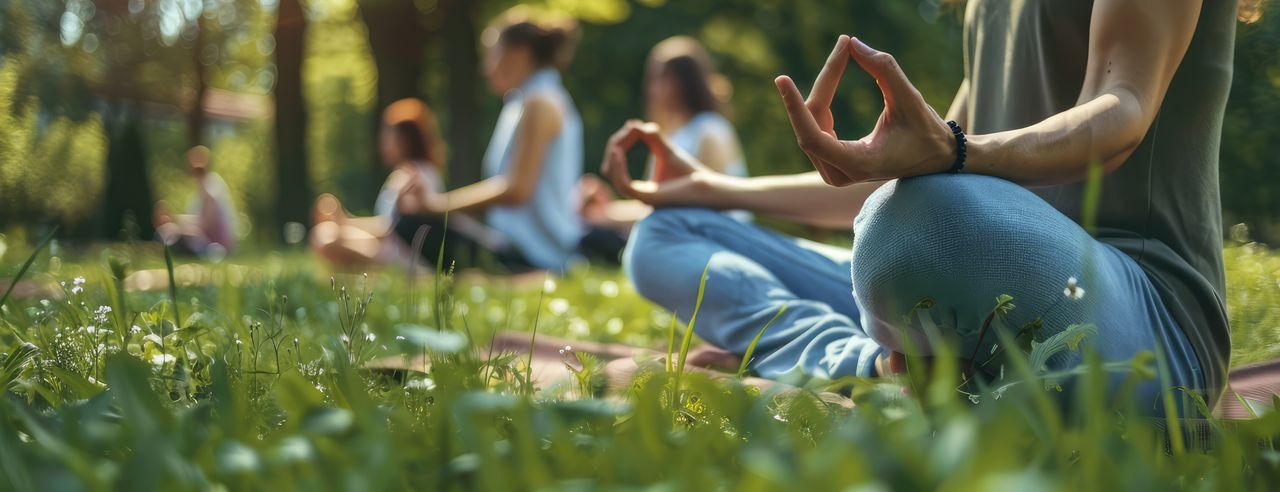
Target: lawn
258,381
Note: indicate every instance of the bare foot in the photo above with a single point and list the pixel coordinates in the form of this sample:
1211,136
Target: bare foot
712,357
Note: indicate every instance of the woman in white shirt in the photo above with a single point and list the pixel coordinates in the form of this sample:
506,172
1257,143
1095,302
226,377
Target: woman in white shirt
208,228
410,145
531,168
686,98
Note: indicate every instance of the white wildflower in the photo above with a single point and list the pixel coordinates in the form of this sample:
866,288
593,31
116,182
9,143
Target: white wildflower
370,337
77,285
549,286
424,384
135,329
1073,291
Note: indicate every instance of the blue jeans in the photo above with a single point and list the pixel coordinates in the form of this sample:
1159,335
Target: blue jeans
959,240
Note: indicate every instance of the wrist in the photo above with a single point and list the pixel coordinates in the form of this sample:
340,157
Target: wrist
958,155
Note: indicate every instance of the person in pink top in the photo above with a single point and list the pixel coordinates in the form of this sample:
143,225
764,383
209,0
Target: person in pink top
208,228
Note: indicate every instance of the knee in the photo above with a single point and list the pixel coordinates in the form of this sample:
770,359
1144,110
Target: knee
642,255
651,236
657,250
940,237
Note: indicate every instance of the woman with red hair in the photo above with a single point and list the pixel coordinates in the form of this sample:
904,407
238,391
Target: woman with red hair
410,144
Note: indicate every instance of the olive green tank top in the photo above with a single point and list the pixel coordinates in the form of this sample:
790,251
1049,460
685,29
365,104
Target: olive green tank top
1025,61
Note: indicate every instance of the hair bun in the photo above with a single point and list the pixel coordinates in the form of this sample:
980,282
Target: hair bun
551,37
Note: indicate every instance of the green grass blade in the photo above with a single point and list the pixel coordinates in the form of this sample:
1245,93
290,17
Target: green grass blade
751,349
671,341
1244,403
27,264
173,287
688,336
533,338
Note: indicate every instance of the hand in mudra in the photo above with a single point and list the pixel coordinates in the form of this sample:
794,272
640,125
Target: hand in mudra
678,178
909,139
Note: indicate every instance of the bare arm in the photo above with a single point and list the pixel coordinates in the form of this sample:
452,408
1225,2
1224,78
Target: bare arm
538,127
1135,47
959,110
803,198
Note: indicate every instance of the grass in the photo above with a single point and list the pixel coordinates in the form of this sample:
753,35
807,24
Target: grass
256,388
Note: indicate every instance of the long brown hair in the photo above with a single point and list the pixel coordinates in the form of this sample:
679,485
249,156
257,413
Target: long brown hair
688,64
417,129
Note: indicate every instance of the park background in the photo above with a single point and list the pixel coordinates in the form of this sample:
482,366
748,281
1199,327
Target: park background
100,98
122,367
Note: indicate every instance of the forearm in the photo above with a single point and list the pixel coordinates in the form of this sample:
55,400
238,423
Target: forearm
959,110
475,197
1060,149
803,198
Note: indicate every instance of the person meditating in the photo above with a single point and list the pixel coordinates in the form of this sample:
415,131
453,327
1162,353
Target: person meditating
687,98
208,228
533,162
410,145
991,202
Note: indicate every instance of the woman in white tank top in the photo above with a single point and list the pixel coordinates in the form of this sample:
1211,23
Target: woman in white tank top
410,144
687,99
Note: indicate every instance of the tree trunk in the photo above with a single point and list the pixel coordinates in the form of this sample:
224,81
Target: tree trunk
293,185
126,212
398,42
195,116
463,60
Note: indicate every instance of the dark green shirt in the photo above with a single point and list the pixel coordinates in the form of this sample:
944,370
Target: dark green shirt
1025,61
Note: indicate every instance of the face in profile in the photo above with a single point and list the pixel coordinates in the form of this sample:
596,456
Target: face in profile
661,93
197,161
503,65
389,146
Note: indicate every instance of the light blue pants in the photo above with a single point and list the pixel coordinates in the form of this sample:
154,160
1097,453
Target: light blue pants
960,240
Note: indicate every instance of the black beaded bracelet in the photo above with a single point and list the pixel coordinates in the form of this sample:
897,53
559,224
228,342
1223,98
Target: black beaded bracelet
962,147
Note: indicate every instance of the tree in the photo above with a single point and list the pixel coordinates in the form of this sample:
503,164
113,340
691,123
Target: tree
462,58
293,190
398,42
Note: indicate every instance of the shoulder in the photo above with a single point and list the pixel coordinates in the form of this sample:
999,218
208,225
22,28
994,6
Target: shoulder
712,123
215,183
542,110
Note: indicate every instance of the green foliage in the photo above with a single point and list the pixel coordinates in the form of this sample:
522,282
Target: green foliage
48,169
62,57
1253,301
255,390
